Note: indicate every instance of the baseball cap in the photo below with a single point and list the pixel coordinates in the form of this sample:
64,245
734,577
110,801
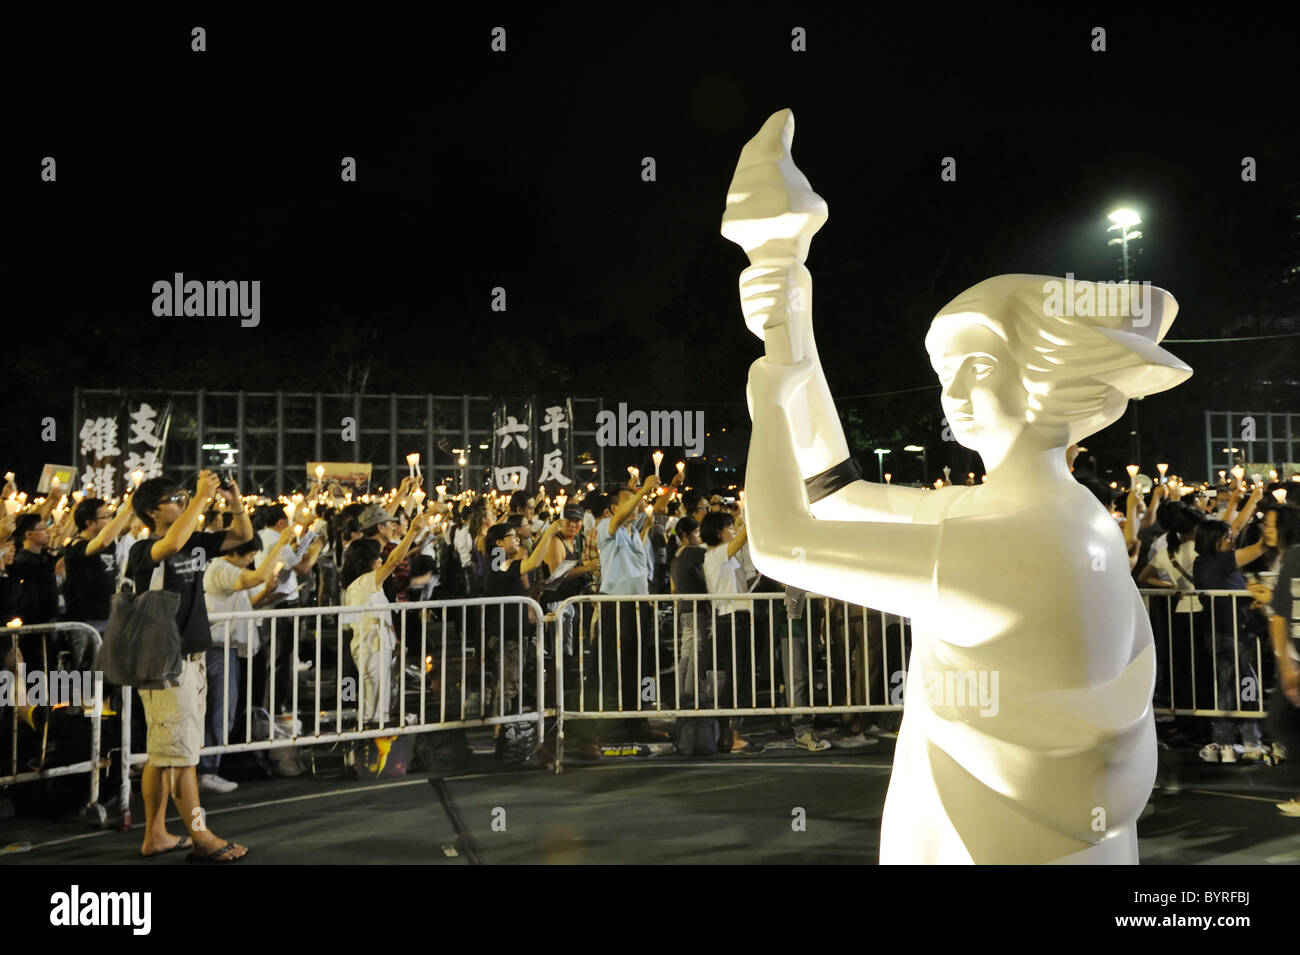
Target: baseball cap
373,516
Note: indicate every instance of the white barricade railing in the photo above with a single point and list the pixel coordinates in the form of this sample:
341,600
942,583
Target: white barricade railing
1193,679
714,660
59,689
486,627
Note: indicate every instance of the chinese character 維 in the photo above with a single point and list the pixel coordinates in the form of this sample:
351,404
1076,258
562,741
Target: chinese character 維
101,479
553,468
515,429
99,437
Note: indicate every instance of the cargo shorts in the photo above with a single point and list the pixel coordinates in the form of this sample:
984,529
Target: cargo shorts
175,716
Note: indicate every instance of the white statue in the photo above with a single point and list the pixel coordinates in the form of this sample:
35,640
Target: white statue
1027,735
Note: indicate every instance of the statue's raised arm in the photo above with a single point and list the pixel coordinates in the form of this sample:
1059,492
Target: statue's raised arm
772,213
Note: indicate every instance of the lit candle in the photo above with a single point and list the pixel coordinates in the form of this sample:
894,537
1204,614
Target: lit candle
889,478
320,473
657,457
1258,478
1162,468
1238,472
442,491
54,484
1279,495
136,477
984,479
412,462
1272,474
418,495
634,472
9,477
78,495
681,466
1223,476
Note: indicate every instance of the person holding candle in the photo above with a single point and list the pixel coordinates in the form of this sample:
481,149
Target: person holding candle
374,637
92,567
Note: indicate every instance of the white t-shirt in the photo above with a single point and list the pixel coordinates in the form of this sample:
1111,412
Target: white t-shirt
374,627
723,575
220,595
1186,556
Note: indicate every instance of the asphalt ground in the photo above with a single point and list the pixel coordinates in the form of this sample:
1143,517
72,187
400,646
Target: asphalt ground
781,806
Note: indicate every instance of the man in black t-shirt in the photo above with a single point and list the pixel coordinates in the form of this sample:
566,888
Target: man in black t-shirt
175,715
91,562
693,616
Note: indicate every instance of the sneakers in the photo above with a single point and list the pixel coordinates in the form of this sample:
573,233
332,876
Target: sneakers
1255,754
1210,753
304,665
811,741
1227,753
856,741
212,783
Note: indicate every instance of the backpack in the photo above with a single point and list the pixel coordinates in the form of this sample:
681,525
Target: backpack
142,644
698,735
516,744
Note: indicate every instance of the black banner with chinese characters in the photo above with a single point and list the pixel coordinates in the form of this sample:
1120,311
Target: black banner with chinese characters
512,446
119,437
554,455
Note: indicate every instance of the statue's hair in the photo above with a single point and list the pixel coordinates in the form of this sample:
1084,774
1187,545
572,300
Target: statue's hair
1078,371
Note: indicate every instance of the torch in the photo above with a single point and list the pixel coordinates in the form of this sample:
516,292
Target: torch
772,213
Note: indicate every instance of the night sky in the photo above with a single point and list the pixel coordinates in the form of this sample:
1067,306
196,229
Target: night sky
522,169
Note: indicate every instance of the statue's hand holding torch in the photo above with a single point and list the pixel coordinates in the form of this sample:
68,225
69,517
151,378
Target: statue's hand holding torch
773,213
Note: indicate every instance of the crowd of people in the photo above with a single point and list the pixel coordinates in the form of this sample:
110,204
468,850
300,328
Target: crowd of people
220,551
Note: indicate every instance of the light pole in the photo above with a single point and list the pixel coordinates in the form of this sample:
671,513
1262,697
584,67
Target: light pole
880,460
1123,220
918,449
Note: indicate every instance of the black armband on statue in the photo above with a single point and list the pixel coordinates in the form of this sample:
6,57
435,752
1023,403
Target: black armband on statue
833,479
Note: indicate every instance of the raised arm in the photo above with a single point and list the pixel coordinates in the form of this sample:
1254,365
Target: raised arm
266,566
185,525
623,512
241,528
1242,519
534,560
113,529
886,565
773,213
399,552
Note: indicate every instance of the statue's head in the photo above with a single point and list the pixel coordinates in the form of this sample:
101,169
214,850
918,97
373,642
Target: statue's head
1059,356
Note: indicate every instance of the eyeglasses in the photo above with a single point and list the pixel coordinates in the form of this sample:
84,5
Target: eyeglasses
179,498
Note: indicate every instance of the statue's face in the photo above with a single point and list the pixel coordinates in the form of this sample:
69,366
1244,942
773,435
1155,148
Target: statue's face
983,397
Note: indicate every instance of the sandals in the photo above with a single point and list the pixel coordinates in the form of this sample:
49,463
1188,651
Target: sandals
183,842
222,855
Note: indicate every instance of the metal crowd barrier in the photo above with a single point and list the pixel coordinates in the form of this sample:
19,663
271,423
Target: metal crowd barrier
687,673
1224,683
848,660
74,683
482,629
